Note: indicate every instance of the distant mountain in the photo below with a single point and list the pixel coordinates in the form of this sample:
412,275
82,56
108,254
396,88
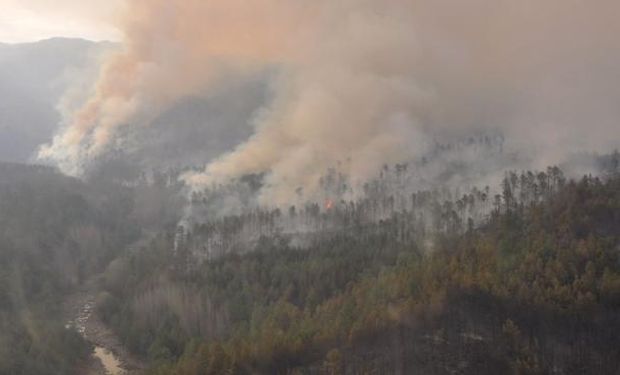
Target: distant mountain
33,77
199,128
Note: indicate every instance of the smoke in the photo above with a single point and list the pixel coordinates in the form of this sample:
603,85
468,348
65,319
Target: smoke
168,54
363,82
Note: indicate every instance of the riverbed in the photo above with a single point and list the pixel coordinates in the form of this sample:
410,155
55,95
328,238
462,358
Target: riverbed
109,356
110,363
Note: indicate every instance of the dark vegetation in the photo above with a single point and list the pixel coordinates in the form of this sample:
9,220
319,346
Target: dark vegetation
520,279
532,288
55,233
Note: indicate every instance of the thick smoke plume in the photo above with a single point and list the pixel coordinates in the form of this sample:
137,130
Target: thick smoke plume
362,83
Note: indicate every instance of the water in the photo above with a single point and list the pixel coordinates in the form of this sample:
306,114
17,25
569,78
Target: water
111,364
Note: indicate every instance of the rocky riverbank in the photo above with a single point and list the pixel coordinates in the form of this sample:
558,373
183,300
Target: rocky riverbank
109,355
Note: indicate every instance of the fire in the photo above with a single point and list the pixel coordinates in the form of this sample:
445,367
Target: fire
329,204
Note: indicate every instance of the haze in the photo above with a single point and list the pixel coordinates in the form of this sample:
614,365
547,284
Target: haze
33,20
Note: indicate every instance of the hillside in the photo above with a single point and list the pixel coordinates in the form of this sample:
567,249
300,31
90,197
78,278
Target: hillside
55,232
533,289
33,78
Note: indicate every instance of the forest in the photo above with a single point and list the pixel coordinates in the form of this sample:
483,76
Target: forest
524,281
522,278
54,232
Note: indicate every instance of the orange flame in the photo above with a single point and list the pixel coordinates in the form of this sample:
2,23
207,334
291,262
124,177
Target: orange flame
329,204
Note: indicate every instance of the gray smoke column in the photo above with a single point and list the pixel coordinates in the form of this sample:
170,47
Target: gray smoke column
364,82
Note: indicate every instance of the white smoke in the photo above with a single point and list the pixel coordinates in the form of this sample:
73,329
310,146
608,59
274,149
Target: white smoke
365,81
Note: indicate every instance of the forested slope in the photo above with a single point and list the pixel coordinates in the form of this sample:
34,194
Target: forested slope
532,285
55,232
535,288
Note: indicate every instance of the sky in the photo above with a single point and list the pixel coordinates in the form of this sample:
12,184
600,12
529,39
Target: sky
32,20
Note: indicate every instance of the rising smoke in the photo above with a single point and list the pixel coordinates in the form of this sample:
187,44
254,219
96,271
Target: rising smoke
362,82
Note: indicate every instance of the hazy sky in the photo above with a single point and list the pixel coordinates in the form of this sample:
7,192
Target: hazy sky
31,20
